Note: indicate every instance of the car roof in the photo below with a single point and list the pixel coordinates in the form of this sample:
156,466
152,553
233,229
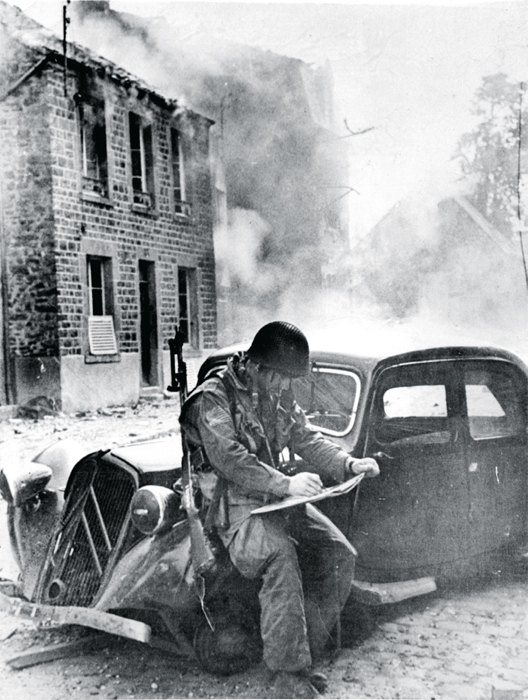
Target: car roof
366,363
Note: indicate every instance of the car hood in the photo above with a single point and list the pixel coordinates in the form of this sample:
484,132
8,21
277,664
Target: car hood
162,454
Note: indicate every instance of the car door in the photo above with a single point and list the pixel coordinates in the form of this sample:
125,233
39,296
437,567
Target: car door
494,393
414,516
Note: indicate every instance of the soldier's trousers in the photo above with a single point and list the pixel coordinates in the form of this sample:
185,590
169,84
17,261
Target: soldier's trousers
306,565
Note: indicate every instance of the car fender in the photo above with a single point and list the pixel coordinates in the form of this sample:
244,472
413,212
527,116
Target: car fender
155,573
32,522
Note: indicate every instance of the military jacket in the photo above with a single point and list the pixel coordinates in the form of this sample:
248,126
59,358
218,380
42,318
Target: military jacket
243,443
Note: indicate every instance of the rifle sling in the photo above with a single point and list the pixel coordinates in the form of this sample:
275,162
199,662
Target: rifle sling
220,492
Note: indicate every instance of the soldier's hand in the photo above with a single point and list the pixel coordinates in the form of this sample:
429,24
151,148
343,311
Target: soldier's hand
304,485
367,466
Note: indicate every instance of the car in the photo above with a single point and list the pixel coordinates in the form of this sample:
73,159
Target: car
105,533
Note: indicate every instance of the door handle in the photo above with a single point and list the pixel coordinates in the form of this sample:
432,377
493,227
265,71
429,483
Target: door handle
381,456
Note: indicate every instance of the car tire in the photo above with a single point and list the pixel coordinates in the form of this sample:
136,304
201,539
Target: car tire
230,648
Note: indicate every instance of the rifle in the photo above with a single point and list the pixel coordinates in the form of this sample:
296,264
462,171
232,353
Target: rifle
202,555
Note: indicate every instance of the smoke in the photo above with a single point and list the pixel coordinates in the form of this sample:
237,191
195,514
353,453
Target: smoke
237,247
428,273
437,272
284,174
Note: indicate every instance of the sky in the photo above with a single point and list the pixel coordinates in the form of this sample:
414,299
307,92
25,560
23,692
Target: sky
408,70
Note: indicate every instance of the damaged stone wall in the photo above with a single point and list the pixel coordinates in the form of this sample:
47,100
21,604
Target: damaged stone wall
28,219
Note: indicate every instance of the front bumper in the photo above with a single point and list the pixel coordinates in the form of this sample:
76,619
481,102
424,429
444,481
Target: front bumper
385,593
72,615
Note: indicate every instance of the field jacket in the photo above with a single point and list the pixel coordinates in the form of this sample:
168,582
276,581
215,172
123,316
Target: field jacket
223,417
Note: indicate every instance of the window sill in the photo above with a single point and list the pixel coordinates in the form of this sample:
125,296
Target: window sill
95,198
182,218
185,210
101,359
142,209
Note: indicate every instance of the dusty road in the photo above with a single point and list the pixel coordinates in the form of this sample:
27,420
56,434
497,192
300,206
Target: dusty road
466,643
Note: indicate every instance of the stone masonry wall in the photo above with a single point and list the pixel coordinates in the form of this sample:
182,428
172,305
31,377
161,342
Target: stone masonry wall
51,226
166,239
28,220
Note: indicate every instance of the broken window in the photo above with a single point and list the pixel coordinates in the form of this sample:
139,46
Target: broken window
178,174
101,333
188,305
142,160
329,397
412,407
93,147
494,403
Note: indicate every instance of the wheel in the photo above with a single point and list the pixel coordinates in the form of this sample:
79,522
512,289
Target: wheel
229,649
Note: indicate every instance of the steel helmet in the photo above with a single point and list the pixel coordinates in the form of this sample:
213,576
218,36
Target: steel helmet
281,346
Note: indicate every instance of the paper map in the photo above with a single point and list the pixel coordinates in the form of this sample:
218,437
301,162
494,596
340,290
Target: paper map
330,492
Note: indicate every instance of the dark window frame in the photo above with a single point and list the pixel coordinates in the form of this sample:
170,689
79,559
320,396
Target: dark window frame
141,144
101,312
94,147
188,307
181,206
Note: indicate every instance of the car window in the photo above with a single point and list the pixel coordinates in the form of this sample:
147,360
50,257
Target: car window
493,402
411,413
401,401
329,398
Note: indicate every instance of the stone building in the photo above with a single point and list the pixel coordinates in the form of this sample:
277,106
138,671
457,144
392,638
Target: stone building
282,216
106,225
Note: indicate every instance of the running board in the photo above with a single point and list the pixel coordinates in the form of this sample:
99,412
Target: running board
73,615
386,593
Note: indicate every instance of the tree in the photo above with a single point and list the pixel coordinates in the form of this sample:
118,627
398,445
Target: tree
490,154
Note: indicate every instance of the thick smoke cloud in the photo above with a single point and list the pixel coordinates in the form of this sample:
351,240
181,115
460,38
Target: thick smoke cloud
284,168
442,273
426,274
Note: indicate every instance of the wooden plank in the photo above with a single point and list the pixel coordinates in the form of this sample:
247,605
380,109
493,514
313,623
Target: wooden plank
73,615
387,593
42,655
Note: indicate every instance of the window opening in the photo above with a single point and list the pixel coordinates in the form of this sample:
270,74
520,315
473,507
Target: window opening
329,398
493,403
142,160
93,148
101,332
188,305
178,175
96,286
420,401
410,413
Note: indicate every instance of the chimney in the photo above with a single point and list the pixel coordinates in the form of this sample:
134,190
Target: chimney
91,7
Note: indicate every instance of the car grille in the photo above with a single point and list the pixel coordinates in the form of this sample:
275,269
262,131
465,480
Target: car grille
93,528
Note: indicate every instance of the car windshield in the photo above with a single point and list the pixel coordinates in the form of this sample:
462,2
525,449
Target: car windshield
329,398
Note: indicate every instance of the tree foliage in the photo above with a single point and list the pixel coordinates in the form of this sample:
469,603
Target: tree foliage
490,153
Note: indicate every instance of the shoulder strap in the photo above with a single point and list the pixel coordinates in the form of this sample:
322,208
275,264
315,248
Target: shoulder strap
231,396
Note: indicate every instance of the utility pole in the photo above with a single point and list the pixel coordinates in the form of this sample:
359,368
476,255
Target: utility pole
65,23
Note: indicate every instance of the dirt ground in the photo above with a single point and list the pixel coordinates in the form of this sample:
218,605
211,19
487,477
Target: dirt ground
465,643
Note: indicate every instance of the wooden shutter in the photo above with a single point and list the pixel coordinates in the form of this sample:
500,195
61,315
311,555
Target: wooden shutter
101,335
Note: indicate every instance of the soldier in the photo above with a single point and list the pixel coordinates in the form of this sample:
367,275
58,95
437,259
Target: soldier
242,422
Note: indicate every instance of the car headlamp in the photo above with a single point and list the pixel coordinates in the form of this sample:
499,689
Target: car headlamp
154,509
